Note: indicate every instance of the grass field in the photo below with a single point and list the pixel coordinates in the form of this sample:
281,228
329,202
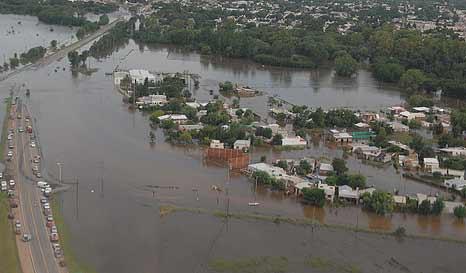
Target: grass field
9,260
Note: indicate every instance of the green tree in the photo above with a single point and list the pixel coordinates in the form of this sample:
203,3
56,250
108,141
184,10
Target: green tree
438,206
314,196
103,20
412,80
459,212
425,207
339,166
277,139
357,181
226,87
282,164
304,167
167,124
73,57
53,44
420,100
379,201
345,65
380,139
458,120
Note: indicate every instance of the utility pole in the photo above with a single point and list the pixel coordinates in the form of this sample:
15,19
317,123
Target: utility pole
60,165
77,198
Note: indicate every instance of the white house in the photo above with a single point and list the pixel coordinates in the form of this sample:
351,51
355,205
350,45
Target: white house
242,144
454,151
346,192
178,119
216,144
269,169
325,169
422,109
431,164
455,183
410,116
328,190
152,100
140,75
293,141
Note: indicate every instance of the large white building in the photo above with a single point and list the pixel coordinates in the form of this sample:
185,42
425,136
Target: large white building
140,75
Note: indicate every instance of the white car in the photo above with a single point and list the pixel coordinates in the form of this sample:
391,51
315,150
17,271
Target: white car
12,183
33,144
53,229
10,137
10,153
4,186
42,184
46,206
38,175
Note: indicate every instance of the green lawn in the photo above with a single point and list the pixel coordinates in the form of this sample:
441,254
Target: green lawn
9,260
73,265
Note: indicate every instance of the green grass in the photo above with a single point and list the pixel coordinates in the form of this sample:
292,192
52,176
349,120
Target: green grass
263,264
166,210
72,263
330,265
9,259
5,128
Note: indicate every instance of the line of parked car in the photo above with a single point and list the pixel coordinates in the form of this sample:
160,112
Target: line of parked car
46,189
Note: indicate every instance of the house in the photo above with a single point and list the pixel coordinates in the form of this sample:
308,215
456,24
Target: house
274,127
152,100
450,206
298,188
325,169
190,127
267,168
412,116
340,137
455,183
362,126
367,117
431,164
396,109
347,193
194,105
178,119
411,161
362,135
242,144
421,109
294,141
399,200
398,127
140,75
454,151
216,144
328,190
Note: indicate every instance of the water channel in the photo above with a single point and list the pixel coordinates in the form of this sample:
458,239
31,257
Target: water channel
115,224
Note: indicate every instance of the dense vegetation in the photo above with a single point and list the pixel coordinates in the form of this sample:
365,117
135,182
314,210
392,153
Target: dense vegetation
115,38
59,12
417,61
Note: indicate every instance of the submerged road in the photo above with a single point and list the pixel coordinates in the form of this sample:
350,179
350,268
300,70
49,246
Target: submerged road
32,216
48,59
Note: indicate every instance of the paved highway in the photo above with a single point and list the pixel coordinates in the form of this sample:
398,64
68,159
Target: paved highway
48,59
32,216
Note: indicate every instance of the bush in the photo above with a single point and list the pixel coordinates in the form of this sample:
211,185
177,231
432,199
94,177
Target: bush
459,212
314,196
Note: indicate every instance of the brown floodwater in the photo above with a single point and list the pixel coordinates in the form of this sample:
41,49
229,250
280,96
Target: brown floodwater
115,225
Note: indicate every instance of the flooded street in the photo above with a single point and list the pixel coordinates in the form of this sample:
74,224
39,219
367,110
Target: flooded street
115,223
